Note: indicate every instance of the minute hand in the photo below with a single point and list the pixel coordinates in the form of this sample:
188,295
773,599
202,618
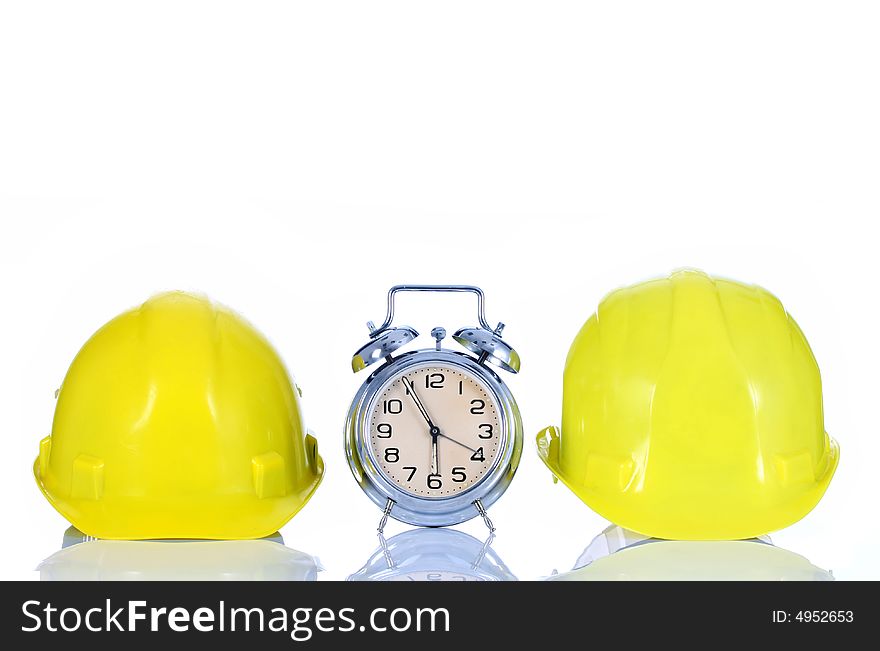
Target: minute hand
412,392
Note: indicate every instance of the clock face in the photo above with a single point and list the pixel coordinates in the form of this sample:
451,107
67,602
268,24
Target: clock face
434,430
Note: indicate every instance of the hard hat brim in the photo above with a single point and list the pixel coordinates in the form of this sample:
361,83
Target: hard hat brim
749,523
113,523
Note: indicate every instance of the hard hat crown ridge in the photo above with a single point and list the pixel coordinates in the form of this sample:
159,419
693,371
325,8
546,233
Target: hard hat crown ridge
178,419
692,409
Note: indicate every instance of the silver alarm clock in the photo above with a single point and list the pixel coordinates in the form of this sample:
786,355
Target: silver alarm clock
434,436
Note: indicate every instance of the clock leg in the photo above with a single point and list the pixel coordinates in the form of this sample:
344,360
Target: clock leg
482,511
385,513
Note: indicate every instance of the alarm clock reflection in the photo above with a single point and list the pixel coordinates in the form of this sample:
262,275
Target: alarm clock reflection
434,555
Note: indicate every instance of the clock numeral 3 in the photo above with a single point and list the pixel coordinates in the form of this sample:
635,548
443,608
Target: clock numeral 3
487,431
383,431
478,455
478,407
392,455
458,475
434,380
393,406
435,482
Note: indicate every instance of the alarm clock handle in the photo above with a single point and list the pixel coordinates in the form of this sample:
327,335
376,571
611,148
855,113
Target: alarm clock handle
472,289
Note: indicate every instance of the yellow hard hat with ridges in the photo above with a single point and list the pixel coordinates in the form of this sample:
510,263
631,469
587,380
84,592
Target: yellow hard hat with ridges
692,409
177,419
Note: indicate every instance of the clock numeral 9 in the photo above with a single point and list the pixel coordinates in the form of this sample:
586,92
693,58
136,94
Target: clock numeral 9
434,380
383,431
478,407
435,482
392,455
393,406
458,475
478,455
486,432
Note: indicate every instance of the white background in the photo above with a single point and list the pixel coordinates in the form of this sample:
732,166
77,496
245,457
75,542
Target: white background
293,162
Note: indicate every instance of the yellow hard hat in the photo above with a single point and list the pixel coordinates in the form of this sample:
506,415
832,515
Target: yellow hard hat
177,419
692,409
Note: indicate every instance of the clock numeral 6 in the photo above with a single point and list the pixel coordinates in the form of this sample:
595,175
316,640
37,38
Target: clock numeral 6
478,455
435,482
458,475
434,380
383,431
487,431
478,407
393,406
392,455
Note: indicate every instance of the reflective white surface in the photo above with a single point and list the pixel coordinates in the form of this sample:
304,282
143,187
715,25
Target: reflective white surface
85,559
557,151
424,554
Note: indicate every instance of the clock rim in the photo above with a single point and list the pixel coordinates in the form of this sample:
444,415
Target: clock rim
433,511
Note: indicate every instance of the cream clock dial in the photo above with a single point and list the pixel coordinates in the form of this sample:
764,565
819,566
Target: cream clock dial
434,430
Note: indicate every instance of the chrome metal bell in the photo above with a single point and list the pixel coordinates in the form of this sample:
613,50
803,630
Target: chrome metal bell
489,347
382,346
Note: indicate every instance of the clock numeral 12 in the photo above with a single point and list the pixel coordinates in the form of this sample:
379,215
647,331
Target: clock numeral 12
434,380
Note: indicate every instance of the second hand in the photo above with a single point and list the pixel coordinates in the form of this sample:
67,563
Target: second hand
446,436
